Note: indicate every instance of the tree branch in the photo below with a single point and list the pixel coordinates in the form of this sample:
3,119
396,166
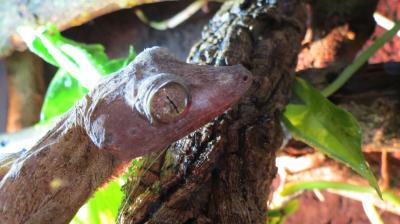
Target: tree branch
222,172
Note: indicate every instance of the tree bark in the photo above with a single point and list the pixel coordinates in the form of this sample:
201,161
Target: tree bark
222,172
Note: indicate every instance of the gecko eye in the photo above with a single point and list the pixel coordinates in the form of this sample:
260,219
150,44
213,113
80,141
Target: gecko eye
169,102
162,97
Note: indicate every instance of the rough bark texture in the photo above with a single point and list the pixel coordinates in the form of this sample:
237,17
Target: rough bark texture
222,172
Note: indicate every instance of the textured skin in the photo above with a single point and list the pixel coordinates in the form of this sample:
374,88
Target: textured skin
222,172
103,132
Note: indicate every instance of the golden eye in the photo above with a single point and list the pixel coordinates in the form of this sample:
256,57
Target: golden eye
169,103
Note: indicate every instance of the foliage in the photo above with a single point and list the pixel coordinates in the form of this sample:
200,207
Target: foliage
292,188
362,193
102,207
63,92
330,129
80,67
313,125
279,215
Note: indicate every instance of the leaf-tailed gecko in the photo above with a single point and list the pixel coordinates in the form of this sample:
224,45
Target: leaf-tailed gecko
140,109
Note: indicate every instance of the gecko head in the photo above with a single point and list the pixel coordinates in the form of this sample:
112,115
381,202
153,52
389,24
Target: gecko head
160,100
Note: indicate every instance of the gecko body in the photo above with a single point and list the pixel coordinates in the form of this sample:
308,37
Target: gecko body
140,109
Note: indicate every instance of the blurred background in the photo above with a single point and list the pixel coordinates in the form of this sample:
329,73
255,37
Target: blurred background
25,79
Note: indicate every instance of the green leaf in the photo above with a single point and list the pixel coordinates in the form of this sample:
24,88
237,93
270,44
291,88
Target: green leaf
117,64
332,130
295,187
279,215
102,207
81,66
64,90
83,61
62,93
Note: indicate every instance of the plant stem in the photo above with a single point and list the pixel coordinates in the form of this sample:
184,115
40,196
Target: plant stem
292,188
360,60
174,21
371,212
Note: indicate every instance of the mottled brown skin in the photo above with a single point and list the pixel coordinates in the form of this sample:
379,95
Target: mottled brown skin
103,132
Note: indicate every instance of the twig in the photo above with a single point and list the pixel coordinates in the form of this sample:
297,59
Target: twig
360,60
174,21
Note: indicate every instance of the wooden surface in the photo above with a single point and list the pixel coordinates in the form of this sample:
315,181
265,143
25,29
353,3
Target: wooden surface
221,173
63,13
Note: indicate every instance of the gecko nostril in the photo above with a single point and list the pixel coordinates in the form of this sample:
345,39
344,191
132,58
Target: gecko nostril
245,78
132,131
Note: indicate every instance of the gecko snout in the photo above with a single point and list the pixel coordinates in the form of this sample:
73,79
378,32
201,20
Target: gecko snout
244,74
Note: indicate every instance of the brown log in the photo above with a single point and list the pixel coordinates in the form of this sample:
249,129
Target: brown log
126,29
222,172
63,13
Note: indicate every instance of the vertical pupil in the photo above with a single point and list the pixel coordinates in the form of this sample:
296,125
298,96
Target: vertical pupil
169,102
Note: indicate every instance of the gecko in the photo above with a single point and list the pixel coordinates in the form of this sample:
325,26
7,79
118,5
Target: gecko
141,109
